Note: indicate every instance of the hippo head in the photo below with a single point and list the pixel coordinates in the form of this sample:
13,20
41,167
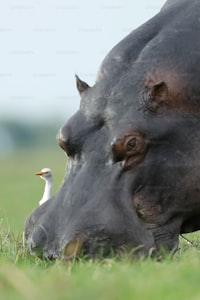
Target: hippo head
132,177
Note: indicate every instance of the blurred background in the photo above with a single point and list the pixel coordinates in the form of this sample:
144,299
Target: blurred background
44,43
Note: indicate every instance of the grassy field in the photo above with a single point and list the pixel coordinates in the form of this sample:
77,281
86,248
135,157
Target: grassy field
23,276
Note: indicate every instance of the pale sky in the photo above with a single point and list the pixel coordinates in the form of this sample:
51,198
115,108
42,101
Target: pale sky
43,43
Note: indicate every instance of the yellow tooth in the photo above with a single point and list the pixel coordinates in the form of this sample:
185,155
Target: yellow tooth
73,248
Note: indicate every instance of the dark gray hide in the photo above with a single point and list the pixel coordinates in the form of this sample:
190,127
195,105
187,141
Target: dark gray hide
133,172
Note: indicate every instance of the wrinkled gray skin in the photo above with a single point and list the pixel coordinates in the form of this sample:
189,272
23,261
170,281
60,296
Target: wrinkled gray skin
133,174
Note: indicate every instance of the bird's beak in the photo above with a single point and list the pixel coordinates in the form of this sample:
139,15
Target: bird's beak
40,173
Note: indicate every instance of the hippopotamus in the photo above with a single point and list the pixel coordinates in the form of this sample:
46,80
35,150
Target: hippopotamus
133,170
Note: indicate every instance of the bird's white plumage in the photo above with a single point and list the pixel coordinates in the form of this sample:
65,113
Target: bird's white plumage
46,175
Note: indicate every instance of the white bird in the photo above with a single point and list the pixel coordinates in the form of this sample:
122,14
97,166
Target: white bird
46,174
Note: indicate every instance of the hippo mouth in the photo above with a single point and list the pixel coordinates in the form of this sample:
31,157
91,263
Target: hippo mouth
94,248
95,244
99,247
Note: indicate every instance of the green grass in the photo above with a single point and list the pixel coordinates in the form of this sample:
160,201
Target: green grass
23,276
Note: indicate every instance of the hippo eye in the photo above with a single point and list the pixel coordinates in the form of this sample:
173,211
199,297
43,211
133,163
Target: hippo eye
130,149
130,144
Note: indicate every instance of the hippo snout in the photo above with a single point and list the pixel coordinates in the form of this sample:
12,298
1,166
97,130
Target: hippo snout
90,244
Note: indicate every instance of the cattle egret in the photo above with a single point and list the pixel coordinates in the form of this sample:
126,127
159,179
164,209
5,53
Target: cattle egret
46,175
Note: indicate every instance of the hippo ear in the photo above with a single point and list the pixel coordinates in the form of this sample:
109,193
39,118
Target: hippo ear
81,85
158,96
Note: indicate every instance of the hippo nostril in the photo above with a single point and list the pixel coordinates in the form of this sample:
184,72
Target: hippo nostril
61,143
66,145
60,139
